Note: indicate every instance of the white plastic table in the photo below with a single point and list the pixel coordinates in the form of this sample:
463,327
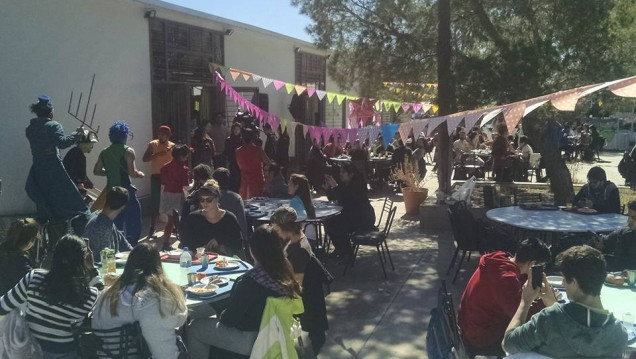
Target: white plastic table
557,221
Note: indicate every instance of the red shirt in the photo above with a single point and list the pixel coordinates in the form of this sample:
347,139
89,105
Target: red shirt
250,159
174,176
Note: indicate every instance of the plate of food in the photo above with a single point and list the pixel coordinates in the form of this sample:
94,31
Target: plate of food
587,210
216,280
202,290
556,281
226,265
616,279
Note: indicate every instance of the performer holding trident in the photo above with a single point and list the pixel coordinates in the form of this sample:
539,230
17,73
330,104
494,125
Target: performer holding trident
48,185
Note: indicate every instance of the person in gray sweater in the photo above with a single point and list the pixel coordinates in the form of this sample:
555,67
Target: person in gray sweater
101,230
143,294
581,328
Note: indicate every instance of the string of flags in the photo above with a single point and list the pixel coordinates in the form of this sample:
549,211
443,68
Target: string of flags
512,113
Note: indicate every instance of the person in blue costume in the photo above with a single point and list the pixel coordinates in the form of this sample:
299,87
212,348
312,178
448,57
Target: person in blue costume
48,185
117,163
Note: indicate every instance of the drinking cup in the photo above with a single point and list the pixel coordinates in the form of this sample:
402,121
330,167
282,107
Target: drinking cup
200,251
631,277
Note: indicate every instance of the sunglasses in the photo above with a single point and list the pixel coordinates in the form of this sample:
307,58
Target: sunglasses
207,199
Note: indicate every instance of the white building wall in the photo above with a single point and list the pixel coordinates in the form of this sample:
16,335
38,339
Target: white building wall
54,48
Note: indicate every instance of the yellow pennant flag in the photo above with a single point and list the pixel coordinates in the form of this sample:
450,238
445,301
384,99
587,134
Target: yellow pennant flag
289,87
435,108
330,96
340,98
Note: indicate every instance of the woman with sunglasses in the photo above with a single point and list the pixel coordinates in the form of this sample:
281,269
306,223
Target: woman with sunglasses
212,227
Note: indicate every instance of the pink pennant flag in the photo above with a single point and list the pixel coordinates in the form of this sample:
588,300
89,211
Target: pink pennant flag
234,74
266,82
274,122
352,134
406,107
310,91
417,107
278,84
321,94
405,130
513,114
624,88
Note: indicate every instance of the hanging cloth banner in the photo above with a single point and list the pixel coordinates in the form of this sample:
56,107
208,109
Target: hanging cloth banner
291,128
234,74
321,94
289,87
405,130
433,123
624,88
453,121
472,118
490,115
513,115
278,84
363,134
352,135
418,128
533,107
314,133
374,132
305,130
266,82
256,78
388,131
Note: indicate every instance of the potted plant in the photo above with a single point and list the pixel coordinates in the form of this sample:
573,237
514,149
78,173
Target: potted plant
412,184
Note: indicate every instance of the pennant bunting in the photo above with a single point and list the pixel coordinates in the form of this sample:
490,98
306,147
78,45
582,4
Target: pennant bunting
426,107
267,82
388,131
405,130
283,125
311,91
291,128
472,118
340,98
305,130
321,94
406,107
246,76
418,128
490,114
624,88
433,123
256,78
330,96
565,100
352,134
453,121
289,87
278,84
234,74
363,134
300,89
513,115
533,106
434,108
374,132
417,107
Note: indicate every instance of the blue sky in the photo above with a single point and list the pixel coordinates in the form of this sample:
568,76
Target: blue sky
274,15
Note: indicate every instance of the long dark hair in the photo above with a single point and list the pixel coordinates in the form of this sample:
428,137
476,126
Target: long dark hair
303,192
143,269
357,183
21,235
267,249
67,281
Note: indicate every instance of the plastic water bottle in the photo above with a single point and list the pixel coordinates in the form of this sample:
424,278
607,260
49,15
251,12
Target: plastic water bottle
185,260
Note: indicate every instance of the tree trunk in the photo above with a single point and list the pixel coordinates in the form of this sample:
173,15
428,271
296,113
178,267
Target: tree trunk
445,90
541,133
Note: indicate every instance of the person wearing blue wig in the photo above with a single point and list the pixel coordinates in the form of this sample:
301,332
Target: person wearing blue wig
48,185
117,163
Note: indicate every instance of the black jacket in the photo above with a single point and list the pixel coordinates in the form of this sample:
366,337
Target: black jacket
13,266
246,305
356,209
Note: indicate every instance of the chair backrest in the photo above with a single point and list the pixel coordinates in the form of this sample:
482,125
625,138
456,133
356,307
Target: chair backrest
527,198
535,158
489,193
447,309
464,226
386,208
389,222
122,342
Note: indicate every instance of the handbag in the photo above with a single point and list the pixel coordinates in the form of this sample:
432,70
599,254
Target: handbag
16,340
116,343
323,274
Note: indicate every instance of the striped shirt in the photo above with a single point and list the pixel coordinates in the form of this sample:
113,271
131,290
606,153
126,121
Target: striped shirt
48,323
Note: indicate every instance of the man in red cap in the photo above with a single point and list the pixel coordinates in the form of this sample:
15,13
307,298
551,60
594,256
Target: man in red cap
158,153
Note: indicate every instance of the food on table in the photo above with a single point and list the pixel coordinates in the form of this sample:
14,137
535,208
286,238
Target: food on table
221,264
204,289
615,279
200,276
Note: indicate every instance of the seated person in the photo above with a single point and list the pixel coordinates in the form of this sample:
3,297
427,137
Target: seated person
461,146
504,159
620,245
239,323
201,173
493,294
298,251
143,294
275,186
101,230
212,227
525,151
599,193
301,197
581,328
14,256
627,167
230,201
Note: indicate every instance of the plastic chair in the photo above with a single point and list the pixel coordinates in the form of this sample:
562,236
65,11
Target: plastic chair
465,234
122,342
376,239
386,208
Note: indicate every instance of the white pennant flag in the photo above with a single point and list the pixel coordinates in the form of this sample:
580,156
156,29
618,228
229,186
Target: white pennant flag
256,78
321,94
267,82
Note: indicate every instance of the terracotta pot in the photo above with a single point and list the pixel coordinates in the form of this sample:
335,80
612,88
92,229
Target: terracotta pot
413,197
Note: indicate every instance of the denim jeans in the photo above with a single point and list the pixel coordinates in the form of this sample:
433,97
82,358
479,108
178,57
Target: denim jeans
69,355
129,220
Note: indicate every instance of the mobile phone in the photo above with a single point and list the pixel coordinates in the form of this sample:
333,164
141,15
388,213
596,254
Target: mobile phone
537,276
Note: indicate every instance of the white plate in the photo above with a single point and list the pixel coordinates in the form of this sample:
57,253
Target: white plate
556,281
218,281
202,290
231,265
122,255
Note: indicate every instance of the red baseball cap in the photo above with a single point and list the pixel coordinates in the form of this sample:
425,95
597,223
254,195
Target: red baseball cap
165,129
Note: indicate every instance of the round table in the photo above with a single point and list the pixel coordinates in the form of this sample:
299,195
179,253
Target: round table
557,221
179,276
267,206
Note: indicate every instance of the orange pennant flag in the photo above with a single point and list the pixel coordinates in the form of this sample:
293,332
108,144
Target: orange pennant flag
300,89
234,74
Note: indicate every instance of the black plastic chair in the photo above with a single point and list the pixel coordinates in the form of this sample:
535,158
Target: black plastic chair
465,234
376,239
122,342
386,208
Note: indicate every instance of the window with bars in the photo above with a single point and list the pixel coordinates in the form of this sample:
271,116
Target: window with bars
311,70
180,53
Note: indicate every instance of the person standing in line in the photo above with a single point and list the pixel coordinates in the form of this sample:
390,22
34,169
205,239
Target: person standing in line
251,159
48,184
158,153
282,151
117,163
175,177
270,143
203,145
232,143
219,133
